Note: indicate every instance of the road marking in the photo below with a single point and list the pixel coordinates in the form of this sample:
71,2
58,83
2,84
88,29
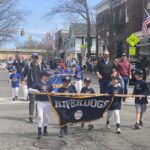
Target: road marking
8,100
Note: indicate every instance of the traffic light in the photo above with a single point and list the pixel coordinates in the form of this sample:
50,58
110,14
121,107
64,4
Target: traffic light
22,32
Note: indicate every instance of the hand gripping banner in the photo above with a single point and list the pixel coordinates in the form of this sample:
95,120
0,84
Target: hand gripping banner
74,109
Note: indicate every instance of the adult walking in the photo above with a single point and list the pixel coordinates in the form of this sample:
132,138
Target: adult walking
32,72
104,70
19,64
123,67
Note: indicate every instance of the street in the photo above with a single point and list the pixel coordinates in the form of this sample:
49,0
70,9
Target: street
17,134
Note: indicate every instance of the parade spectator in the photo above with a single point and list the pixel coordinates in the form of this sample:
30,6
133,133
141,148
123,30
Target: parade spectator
43,105
32,73
123,67
62,64
19,63
9,64
103,71
140,88
15,78
114,88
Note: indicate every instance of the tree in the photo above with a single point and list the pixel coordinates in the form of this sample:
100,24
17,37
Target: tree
79,7
9,20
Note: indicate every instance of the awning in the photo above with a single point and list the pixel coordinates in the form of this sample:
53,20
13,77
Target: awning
143,44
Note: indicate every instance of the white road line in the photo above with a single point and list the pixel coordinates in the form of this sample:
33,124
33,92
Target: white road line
8,100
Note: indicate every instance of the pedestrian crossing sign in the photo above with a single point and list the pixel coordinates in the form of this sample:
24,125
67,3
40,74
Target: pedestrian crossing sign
133,40
132,51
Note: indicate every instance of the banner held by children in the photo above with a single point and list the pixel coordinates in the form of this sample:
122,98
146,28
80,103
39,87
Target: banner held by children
73,109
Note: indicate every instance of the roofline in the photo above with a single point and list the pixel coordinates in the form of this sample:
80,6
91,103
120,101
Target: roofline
100,4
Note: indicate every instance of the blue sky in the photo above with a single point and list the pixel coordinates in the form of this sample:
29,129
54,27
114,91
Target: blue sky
34,22
36,10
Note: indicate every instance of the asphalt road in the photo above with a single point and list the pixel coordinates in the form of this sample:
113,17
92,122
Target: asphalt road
17,134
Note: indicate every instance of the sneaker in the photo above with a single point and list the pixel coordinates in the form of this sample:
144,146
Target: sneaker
39,136
141,123
107,126
60,134
31,119
45,133
137,126
65,132
82,125
118,131
90,126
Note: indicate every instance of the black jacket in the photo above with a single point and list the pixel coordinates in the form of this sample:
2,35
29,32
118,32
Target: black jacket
32,72
105,69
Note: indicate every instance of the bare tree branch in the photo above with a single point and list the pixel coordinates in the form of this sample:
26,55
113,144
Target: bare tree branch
9,20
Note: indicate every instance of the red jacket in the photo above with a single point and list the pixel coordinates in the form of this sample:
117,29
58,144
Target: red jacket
123,67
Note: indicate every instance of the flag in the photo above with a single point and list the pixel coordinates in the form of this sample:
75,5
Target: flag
75,109
146,22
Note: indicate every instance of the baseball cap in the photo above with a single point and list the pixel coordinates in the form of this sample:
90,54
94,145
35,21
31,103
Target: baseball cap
45,73
35,55
66,79
139,72
14,68
87,79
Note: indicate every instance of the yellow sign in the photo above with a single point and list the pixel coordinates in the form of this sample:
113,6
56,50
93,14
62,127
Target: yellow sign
132,51
133,39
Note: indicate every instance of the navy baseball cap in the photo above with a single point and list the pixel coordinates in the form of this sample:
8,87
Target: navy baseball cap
45,73
35,55
139,72
66,79
87,79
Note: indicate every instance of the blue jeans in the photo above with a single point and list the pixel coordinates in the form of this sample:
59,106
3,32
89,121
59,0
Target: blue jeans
104,85
126,80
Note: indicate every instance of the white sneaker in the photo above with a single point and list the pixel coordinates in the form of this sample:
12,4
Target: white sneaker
118,131
107,126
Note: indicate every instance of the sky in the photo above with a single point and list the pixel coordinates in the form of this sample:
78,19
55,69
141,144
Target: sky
35,22
36,10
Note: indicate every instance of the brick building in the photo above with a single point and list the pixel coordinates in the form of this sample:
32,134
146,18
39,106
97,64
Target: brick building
116,20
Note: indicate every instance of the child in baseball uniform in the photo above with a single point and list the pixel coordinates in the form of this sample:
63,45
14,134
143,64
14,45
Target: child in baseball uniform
43,104
140,88
114,88
87,89
66,88
15,80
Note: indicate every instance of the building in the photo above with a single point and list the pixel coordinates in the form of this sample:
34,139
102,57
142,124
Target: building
60,37
116,20
78,38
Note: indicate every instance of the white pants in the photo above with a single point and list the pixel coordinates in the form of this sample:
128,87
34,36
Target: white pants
15,92
116,114
25,91
43,109
78,85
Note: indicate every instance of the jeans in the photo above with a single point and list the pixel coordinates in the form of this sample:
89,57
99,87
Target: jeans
126,81
31,104
104,85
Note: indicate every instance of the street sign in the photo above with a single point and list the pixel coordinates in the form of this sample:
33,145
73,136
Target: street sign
132,51
133,40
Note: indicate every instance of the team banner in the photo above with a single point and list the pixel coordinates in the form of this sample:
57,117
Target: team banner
74,109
